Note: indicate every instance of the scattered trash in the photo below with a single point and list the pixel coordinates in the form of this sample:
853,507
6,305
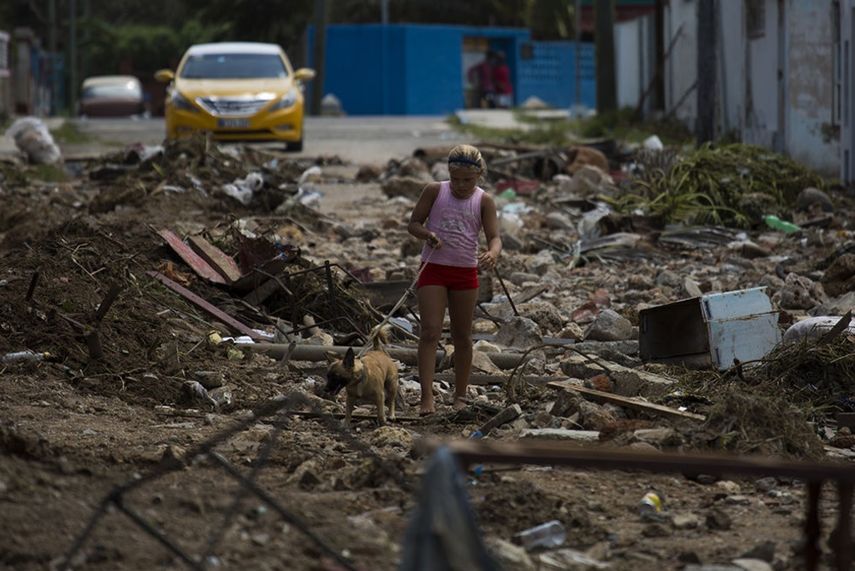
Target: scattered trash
546,535
714,330
777,224
243,189
32,138
653,143
651,503
20,356
815,328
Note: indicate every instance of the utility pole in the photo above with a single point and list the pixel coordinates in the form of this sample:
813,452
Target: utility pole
706,71
72,56
577,35
606,73
319,50
384,11
87,39
659,73
54,76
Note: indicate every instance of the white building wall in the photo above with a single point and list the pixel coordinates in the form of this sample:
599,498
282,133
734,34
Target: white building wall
635,57
681,69
812,133
731,62
762,86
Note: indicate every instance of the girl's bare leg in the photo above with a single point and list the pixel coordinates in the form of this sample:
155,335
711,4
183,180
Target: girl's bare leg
432,303
461,310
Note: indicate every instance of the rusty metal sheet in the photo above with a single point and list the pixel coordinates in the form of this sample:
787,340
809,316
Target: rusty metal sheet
216,258
217,314
190,257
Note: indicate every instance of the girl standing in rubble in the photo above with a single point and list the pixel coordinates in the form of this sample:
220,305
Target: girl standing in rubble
449,216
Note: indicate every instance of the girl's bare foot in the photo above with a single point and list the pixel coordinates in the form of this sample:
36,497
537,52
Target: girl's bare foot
459,403
426,408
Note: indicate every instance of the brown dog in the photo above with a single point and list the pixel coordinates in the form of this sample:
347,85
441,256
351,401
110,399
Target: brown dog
372,378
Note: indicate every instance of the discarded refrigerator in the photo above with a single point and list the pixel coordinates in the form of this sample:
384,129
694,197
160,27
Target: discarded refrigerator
711,330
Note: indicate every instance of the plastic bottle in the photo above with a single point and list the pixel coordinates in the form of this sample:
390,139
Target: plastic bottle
27,355
778,224
546,535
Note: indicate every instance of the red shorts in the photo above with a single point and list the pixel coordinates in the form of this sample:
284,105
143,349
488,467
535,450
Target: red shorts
451,277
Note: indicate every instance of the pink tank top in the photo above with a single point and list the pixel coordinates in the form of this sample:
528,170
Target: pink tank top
457,223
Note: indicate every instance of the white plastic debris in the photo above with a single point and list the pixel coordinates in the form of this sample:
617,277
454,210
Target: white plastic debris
653,143
815,327
19,356
589,224
34,140
308,193
243,189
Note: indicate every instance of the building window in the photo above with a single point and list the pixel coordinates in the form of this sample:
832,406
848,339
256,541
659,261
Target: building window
755,18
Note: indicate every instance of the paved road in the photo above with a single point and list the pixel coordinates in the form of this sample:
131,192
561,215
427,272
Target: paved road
355,139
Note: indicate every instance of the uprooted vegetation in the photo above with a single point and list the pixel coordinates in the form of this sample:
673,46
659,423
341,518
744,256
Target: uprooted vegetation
732,185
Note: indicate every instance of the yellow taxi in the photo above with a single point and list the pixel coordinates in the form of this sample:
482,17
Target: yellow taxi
237,91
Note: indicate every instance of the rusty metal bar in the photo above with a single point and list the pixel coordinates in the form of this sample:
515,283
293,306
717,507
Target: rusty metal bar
560,454
813,526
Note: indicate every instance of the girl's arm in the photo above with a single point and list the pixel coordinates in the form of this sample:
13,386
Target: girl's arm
416,227
490,223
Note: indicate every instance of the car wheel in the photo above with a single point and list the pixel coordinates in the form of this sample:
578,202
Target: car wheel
295,147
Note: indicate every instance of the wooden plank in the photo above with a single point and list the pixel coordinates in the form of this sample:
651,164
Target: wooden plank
627,402
190,257
236,326
216,258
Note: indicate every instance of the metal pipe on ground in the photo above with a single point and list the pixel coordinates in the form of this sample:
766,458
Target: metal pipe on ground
405,355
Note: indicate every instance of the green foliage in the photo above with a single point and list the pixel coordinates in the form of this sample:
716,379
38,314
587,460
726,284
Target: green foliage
730,184
551,19
278,21
143,47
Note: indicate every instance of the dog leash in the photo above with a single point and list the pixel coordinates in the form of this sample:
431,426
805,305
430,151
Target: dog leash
376,330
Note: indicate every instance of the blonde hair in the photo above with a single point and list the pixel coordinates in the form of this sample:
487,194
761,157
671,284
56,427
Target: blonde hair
468,157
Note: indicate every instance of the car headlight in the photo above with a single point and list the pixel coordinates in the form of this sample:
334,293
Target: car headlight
288,100
181,102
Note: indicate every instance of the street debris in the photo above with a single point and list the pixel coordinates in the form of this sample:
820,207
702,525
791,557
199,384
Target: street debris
177,305
32,138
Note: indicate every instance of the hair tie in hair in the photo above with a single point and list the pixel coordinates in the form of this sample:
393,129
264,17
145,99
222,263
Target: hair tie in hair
465,161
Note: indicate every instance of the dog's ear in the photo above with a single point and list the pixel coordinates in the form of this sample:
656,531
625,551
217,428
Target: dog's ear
331,356
349,359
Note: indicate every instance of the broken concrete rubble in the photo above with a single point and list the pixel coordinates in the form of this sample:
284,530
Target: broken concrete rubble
156,341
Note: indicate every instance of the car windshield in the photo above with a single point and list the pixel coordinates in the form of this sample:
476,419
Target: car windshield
233,66
126,90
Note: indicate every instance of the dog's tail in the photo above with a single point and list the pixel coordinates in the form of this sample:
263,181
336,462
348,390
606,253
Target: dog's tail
380,336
